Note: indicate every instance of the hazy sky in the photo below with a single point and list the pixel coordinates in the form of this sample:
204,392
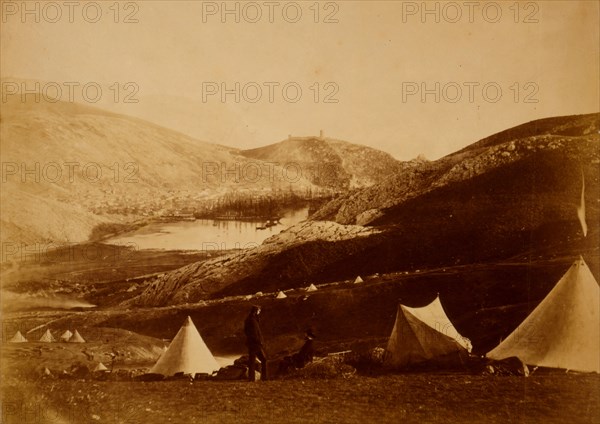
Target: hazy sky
375,61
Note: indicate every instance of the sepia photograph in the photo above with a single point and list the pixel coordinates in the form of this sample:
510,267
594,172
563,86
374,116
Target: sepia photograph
310,211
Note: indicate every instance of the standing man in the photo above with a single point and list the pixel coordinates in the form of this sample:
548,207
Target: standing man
254,341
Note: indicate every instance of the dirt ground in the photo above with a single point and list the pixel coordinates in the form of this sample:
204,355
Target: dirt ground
422,398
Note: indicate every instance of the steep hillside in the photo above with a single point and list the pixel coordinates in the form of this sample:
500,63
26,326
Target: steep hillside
575,136
329,163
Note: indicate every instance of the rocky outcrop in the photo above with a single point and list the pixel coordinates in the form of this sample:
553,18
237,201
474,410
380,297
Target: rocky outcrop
328,163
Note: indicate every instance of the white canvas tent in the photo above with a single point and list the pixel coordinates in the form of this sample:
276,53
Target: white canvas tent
281,295
18,338
311,288
100,367
358,280
422,335
65,336
47,337
563,331
76,338
187,353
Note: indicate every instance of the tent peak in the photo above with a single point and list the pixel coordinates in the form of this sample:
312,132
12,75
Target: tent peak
424,334
563,330
187,353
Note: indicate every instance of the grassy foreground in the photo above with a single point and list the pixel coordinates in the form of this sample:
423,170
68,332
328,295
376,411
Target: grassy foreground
422,398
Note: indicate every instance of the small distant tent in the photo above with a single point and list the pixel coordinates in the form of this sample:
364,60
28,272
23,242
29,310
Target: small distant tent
311,288
65,336
422,335
18,338
76,338
563,331
187,353
47,337
100,368
358,280
281,295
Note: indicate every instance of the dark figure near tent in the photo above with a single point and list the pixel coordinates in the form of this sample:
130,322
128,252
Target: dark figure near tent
304,356
255,342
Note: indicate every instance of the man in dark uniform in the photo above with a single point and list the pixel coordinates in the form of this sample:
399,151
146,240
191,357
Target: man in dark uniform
254,341
307,352
303,357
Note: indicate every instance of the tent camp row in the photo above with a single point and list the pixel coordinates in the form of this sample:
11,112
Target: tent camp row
282,295
419,334
47,337
563,331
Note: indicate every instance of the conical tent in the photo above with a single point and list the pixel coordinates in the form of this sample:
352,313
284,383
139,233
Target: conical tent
563,331
281,295
358,280
187,353
47,337
18,338
76,338
65,336
100,367
423,335
311,288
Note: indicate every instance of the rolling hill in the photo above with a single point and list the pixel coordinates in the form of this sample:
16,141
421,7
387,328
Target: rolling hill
330,163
